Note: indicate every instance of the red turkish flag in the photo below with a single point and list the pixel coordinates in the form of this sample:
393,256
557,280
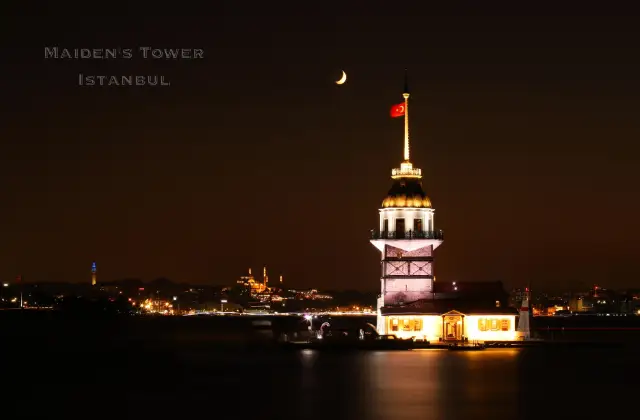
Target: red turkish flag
397,110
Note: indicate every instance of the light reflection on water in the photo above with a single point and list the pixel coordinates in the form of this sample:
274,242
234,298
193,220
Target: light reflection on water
411,385
183,381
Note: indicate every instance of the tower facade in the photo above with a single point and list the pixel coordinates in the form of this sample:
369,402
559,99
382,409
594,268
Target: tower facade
94,274
406,236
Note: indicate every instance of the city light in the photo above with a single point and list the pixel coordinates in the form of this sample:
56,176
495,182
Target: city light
157,307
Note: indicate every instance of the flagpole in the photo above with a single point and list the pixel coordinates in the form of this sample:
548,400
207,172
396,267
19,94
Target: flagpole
406,116
406,169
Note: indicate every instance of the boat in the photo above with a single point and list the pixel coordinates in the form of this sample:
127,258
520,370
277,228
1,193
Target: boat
386,342
381,342
472,347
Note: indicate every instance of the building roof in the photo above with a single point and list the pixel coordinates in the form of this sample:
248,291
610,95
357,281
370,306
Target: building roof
442,306
406,192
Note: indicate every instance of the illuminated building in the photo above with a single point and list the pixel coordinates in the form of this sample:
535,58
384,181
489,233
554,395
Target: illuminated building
254,286
409,305
94,274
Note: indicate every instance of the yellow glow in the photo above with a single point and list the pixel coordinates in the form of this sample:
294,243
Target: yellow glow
430,327
493,325
342,79
406,170
404,201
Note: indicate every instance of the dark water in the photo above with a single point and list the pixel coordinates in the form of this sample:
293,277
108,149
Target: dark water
183,369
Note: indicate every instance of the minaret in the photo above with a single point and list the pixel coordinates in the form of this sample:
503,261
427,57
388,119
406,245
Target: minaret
94,274
265,278
280,280
406,237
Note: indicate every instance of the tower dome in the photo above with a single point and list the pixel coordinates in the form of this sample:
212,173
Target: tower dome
406,192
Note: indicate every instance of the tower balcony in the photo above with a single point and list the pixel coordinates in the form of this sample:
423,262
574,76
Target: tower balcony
406,170
410,234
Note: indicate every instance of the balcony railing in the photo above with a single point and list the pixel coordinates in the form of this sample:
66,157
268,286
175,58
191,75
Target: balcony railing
406,173
410,234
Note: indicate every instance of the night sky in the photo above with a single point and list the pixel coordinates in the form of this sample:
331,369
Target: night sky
526,129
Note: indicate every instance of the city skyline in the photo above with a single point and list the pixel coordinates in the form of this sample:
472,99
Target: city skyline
253,155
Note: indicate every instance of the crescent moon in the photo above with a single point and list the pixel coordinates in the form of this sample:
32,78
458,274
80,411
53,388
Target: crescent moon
342,79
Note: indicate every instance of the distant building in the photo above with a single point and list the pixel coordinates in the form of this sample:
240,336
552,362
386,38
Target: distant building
254,286
597,300
311,294
581,304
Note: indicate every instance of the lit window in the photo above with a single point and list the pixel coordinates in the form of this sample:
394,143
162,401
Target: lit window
497,303
407,324
494,325
394,324
482,324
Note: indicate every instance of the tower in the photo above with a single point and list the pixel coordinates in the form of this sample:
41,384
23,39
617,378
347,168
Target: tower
94,274
406,237
523,323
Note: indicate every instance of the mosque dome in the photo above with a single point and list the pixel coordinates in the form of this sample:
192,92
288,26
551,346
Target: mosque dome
406,192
